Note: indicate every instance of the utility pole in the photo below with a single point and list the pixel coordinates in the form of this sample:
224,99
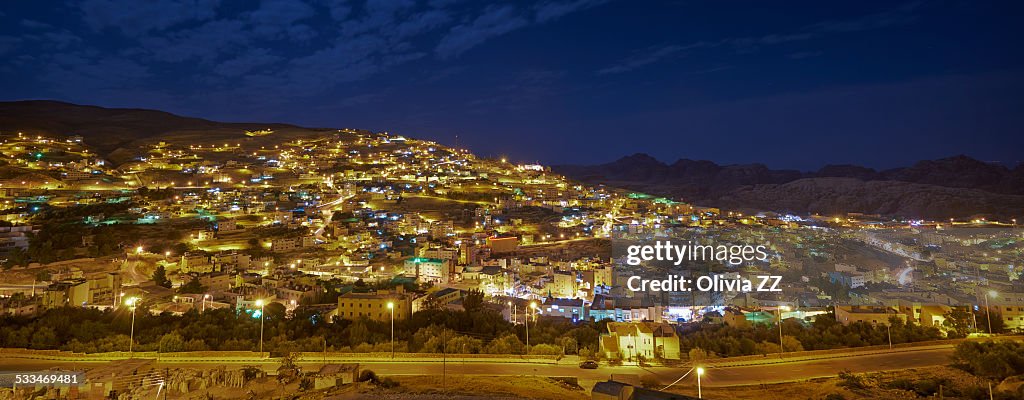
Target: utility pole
444,361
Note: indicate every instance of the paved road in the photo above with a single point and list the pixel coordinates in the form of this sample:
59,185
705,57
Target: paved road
716,376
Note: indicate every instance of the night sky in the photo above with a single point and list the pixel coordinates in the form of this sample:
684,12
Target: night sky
789,84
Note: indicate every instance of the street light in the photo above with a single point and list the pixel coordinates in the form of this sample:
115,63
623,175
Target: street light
391,306
988,312
133,303
205,296
700,371
259,303
781,349
533,306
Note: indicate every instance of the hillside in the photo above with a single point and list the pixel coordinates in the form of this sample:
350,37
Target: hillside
114,132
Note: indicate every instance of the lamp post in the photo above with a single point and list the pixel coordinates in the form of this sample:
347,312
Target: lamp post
511,314
700,371
391,306
533,306
260,304
988,311
133,303
781,349
205,296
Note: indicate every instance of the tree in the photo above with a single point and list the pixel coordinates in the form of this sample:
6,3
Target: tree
790,343
957,323
358,333
473,301
171,343
160,277
505,344
193,286
546,350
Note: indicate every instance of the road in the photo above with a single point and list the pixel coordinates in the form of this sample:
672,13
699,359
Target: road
716,376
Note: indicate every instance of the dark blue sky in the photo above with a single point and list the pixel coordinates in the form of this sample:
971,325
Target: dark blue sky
790,84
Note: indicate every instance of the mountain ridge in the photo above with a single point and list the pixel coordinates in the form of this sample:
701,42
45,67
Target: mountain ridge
994,190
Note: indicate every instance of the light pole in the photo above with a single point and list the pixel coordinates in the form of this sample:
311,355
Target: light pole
988,311
511,314
391,306
533,306
260,304
700,371
781,349
888,325
205,296
133,303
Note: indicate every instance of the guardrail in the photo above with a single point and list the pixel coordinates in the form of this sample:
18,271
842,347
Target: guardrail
248,356
847,351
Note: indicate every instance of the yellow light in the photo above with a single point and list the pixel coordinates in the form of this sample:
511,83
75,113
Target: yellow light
700,370
131,301
138,250
391,305
259,303
993,293
533,305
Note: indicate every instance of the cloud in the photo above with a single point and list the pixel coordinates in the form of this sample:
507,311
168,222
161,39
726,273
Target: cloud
9,43
235,55
137,17
649,56
252,59
896,16
494,21
276,17
204,43
555,9
32,24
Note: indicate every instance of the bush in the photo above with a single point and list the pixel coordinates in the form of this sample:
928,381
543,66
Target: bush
368,376
545,350
850,380
995,360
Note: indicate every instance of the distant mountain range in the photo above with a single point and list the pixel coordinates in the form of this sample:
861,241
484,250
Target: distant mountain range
955,187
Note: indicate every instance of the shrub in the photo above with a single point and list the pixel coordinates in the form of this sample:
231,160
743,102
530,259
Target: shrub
368,376
850,380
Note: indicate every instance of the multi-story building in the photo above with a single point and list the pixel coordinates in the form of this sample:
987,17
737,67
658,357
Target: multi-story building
429,269
572,309
375,305
500,245
562,285
640,340
96,290
848,314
